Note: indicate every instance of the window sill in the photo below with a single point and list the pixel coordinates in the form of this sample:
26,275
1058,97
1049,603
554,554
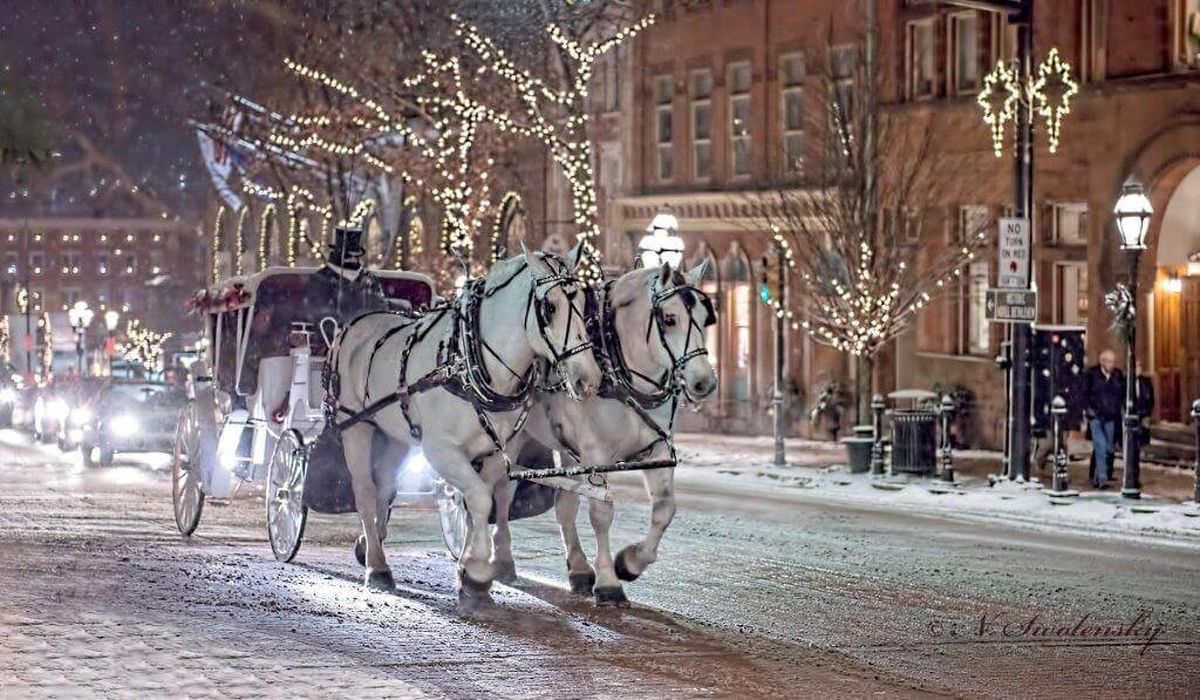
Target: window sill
958,358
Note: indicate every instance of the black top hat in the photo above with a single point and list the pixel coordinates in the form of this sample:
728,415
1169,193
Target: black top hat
347,241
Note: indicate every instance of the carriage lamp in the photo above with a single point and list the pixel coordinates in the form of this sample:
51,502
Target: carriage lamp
111,319
1132,217
661,246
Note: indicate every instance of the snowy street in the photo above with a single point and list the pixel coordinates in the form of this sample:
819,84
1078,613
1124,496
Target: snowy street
761,589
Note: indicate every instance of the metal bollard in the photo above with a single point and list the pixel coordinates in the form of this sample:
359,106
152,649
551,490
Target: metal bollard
877,461
945,452
1061,487
1196,425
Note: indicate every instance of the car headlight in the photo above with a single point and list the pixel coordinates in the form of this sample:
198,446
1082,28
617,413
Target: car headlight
8,395
124,425
58,409
81,415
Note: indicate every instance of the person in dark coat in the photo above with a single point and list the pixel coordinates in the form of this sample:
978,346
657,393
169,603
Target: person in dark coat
1143,404
352,289
1103,401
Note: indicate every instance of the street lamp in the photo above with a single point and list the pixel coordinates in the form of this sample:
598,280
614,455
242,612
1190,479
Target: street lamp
111,318
661,246
1132,215
80,316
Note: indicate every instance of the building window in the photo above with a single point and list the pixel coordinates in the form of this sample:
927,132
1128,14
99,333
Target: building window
1071,293
920,65
963,38
742,307
71,295
72,262
37,262
131,264
1068,224
102,263
606,82
10,264
843,63
702,84
978,335
973,220
1185,23
739,82
664,96
791,82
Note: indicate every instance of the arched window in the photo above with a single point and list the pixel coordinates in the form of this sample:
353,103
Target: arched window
266,234
510,226
710,284
740,291
374,239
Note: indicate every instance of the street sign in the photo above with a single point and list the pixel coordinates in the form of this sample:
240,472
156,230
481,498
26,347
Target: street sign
1014,254
1011,305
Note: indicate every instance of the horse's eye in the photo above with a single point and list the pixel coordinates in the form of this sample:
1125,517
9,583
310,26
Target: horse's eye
549,308
669,320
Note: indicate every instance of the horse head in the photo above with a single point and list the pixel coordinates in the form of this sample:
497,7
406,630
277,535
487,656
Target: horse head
660,315
555,324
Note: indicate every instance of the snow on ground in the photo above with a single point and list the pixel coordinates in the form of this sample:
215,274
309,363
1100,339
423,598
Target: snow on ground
818,470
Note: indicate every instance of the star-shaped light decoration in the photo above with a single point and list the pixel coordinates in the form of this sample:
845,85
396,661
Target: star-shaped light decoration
1051,94
998,98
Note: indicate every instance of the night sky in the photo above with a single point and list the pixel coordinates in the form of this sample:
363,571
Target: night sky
126,75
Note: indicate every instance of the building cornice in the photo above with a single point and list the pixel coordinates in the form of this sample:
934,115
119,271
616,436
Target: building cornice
749,210
91,224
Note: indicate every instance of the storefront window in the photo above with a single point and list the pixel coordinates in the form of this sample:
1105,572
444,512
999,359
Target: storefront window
741,294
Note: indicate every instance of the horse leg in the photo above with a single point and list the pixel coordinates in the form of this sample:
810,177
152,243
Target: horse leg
475,567
633,560
581,576
503,567
608,587
356,443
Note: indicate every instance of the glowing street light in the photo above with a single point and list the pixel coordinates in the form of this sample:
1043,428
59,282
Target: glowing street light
81,317
1132,215
662,246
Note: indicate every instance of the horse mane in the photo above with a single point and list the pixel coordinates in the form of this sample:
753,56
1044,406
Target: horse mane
504,270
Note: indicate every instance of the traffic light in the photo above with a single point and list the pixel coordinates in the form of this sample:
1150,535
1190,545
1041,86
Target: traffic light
769,287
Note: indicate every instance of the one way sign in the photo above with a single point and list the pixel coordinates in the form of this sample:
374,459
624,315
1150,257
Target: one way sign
1011,305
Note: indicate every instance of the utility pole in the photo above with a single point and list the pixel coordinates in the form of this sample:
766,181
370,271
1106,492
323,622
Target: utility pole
780,329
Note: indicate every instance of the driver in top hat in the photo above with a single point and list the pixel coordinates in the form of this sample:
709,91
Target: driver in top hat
355,290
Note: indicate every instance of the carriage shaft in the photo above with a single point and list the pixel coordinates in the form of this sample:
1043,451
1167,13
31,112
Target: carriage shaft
586,470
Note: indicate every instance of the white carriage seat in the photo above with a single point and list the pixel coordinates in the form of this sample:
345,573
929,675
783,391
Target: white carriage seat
274,385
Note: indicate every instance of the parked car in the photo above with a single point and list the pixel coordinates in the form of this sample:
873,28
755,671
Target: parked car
130,416
71,408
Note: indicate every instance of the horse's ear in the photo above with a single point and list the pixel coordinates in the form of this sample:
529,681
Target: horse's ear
665,275
696,275
575,255
530,258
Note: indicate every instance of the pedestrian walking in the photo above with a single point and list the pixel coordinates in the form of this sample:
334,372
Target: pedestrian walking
1143,403
1103,396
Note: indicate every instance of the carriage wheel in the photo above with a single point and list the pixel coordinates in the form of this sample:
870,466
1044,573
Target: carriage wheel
452,514
186,493
286,512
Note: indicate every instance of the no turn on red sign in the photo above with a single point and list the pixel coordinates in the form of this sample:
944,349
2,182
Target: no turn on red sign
1013,270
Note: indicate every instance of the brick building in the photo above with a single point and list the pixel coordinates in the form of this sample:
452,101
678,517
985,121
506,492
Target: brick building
715,87
144,268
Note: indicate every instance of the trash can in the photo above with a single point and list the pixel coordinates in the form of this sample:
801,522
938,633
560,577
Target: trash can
858,449
914,433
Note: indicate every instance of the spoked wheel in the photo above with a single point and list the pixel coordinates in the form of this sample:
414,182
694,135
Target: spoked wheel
452,514
286,513
185,470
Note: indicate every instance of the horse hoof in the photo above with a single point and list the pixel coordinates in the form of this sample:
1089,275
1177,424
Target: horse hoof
623,571
381,581
504,571
582,584
611,597
360,550
472,594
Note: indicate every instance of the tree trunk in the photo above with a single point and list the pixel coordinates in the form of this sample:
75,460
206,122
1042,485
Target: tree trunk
865,385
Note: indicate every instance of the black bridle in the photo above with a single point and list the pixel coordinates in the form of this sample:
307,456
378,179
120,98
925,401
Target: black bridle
691,297
543,308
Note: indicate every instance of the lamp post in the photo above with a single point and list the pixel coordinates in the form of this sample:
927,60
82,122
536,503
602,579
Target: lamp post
661,245
80,316
111,318
1132,215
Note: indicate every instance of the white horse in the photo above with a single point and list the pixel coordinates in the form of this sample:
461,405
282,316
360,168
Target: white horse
455,382
656,359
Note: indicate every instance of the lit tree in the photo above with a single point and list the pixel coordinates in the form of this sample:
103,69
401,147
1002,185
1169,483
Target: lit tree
850,217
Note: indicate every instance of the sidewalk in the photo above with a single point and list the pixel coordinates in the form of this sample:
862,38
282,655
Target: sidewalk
818,470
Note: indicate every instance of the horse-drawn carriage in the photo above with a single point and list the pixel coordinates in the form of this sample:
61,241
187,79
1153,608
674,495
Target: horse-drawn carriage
256,396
